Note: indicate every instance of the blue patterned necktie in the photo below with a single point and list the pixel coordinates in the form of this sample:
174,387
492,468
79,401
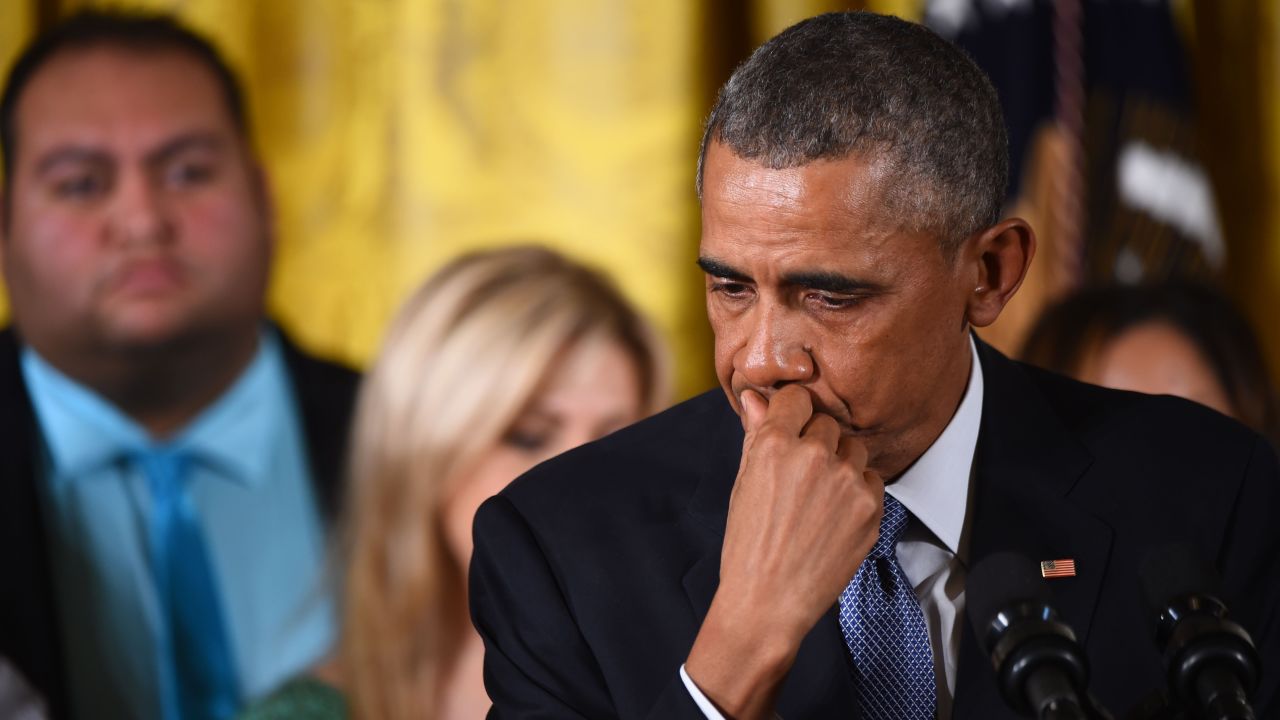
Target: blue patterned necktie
884,630
198,680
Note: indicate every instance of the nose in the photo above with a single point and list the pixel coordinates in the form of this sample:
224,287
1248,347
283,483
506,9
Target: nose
140,214
774,353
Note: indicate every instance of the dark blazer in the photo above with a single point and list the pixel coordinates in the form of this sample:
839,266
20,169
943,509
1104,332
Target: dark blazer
593,572
29,632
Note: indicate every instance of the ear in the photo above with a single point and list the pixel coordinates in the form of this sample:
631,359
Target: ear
999,256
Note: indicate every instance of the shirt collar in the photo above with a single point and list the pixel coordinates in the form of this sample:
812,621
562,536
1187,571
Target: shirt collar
235,434
83,431
936,487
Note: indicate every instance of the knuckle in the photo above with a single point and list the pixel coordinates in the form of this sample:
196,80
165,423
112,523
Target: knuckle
847,473
865,506
813,444
770,437
813,453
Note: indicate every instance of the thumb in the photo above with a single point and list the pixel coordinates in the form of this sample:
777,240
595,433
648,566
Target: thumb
754,409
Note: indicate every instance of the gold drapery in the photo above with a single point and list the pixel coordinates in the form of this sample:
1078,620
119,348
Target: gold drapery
399,133
16,24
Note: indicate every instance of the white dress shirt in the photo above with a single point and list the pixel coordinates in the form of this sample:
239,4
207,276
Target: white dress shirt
933,548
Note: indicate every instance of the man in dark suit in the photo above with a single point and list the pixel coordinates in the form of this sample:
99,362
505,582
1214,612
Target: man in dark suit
169,461
798,541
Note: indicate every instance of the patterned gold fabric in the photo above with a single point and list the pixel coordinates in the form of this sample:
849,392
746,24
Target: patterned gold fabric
400,133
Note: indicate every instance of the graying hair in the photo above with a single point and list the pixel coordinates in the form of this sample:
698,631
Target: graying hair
885,89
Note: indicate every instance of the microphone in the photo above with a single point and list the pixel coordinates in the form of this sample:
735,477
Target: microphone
1040,668
1211,662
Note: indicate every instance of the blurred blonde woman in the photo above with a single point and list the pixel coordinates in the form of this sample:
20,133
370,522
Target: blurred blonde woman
501,360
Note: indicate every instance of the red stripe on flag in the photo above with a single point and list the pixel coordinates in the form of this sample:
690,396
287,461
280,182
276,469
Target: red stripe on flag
1058,568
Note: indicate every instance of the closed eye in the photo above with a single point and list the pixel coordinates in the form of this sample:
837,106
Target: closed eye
828,301
730,288
526,440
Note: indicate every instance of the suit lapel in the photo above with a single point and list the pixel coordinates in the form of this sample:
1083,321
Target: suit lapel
709,507
818,684
29,632
1026,466
325,395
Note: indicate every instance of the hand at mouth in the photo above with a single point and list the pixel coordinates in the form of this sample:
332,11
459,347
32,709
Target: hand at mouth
835,408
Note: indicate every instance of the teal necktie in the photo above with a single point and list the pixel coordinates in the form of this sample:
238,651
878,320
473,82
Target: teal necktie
198,679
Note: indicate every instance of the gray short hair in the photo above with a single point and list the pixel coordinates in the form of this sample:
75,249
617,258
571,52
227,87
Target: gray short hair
844,83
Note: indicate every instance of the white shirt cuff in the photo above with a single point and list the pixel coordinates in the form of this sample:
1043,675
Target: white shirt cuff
703,703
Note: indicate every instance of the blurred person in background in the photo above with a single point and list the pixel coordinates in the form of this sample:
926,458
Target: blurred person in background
501,360
169,458
1173,338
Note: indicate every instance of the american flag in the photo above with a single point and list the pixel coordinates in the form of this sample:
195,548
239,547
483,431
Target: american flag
1058,568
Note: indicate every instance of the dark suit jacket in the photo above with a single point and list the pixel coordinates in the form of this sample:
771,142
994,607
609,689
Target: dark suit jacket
29,633
593,572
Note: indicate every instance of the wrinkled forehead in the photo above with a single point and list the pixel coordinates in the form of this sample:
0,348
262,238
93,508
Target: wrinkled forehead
826,196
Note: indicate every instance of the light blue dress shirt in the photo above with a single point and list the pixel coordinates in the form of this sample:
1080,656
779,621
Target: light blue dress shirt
252,488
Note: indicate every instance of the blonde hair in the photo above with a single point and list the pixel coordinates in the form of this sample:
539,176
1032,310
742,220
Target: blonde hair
463,356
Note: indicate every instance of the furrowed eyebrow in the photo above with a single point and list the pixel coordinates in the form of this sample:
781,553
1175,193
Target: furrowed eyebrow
814,280
715,268
829,282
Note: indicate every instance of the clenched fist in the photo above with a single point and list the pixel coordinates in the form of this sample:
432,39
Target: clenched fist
803,515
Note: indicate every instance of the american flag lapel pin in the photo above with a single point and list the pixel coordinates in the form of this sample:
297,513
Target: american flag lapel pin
1058,568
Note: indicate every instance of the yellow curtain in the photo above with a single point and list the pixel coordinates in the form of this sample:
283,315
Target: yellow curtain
16,23
911,10
1237,53
770,17
402,132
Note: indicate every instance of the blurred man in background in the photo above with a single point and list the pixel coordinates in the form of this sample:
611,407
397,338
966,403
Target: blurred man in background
168,459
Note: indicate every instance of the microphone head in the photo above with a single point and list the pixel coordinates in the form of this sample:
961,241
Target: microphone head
1010,608
1210,660
998,582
